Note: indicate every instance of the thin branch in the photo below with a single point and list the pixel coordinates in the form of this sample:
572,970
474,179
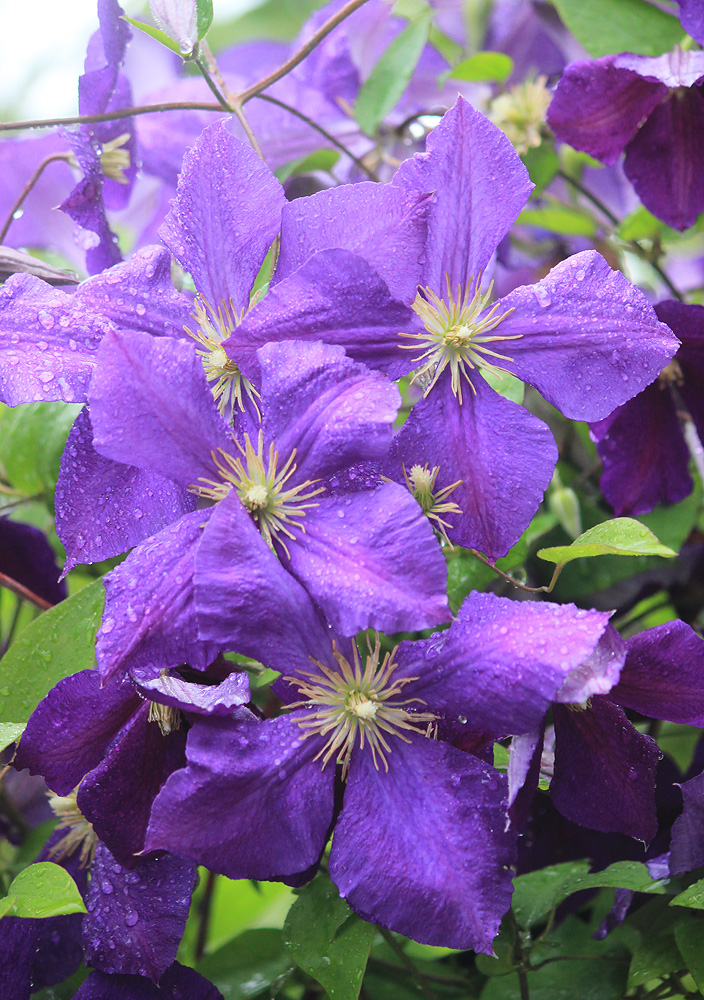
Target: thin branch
509,579
318,128
24,592
27,188
411,967
110,116
204,916
299,56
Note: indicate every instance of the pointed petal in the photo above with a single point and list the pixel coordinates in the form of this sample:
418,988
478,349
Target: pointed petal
589,339
598,673
479,185
371,560
252,802
422,849
679,68
200,699
604,771
687,845
177,982
225,216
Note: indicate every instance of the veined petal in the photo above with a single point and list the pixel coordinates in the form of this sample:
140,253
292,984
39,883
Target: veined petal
177,982
587,338
679,68
423,848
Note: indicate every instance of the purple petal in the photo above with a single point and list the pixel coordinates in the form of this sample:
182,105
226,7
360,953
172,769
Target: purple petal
692,18
597,107
480,187
27,557
225,216
383,224
247,602
70,731
149,621
117,795
103,507
106,52
523,775
333,411
662,160
43,356
151,407
177,982
252,803
423,849
502,454
588,338
372,561
687,844
604,771
198,699
646,461
663,676
680,68
501,662
18,938
335,297
598,673
136,917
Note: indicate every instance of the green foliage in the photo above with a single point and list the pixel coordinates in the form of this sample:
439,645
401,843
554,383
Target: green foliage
250,965
483,66
156,33
692,897
386,83
606,26
204,13
542,165
32,438
9,732
327,940
559,219
58,643
42,890
622,536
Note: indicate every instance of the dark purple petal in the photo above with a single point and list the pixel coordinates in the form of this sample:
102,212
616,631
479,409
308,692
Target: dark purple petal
423,849
646,461
18,938
136,916
385,225
225,216
103,507
663,676
501,662
177,983
252,803
597,107
604,771
333,411
503,455
335,297
663,159
588,339
679,68
106,52
27,557
523,775
479,185
247,602
149,621
598,673
199,699
371,560
151,407
117,795
71,729
687,843
692,18
43,355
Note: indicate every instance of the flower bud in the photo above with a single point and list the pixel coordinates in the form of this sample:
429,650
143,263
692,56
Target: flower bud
179,20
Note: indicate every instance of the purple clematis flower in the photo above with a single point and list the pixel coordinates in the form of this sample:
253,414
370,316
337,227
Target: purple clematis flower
584,337
651,108
368,557
692,18
421,844
641,443
177,983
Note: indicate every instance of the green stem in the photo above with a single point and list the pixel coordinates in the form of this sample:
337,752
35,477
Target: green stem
410,966
520,958
204,916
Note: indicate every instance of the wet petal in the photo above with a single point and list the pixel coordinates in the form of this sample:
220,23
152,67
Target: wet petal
176,983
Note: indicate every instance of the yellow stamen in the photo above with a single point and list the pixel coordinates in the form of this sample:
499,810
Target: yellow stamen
80,836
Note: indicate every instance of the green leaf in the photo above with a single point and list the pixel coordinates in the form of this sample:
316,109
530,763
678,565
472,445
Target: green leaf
327,940
542,165
32,438
247,966
58,643
689,938
204,11
621,536
9,732
692,897
640,225
607,26
559,219
657,956
155,33
382,91
483,66
44,890
537,894
321,159
505,384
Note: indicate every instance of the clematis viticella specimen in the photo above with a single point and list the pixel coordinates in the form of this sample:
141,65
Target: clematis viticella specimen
421,843
583,336
652,109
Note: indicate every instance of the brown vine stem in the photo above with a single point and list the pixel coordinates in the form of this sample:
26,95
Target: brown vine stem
24,592
509,579
27,188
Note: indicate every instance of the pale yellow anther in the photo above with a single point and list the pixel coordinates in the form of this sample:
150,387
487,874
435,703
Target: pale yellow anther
114,160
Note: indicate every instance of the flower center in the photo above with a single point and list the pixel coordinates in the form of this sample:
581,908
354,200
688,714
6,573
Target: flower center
671,375
212,328
421,483
166,717
114,160
520,113
261,486
80,833
457,330
358,702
